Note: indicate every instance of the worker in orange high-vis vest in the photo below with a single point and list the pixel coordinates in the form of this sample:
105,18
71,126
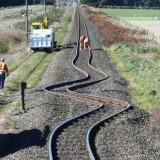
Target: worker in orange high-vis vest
81,41
87,44
3,72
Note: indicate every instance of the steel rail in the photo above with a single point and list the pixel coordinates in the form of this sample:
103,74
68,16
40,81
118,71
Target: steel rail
79,97
92,130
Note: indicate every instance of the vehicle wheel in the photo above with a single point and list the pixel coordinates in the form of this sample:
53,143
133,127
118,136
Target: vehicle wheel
55,44
33,49
48,50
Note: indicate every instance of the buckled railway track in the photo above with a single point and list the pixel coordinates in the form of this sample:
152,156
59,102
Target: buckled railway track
63,141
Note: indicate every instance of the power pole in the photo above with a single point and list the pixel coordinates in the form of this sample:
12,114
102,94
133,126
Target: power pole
27,20
45,7
54,9
59,3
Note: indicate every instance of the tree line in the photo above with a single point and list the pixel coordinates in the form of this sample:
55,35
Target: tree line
135,3
8,3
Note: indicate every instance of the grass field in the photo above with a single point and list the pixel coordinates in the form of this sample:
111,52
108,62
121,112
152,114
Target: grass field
133,14
140,66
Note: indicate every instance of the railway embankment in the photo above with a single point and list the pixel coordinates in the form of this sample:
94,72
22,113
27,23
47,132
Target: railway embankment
130,135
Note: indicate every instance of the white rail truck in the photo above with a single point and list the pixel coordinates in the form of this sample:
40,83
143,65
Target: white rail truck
42,39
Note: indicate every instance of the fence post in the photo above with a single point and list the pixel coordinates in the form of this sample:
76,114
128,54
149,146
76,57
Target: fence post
22,86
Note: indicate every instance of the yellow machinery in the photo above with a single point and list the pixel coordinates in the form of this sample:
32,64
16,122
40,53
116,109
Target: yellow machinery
40,25
41,37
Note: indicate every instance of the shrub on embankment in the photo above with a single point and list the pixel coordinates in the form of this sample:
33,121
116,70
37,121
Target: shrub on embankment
4,47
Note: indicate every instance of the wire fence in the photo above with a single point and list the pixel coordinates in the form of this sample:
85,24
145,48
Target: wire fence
140,30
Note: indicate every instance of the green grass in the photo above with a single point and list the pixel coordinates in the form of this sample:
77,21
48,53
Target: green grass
16,63
139,66
25,71
63,29
4,47
11,15
133,14
9,108
37,74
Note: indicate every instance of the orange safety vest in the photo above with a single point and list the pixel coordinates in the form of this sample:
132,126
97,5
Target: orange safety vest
3,67
86,42
82,41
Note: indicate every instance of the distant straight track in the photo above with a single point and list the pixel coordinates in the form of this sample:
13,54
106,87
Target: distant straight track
64,142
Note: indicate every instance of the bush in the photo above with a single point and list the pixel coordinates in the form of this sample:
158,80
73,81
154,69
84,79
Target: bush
3,46
157,55
143,31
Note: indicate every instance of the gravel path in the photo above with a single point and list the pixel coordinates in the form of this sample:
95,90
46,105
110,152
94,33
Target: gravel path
128,137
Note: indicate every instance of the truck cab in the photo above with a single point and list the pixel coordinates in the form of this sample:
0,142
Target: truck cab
40,25
36,25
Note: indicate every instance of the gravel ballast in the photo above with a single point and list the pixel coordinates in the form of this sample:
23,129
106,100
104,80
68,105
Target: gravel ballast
128,137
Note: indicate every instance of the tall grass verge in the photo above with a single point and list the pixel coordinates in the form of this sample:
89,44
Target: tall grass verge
11,15
4,47
139,64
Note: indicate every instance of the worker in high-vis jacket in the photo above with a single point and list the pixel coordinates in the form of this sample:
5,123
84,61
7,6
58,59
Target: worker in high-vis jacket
87,43
81,41
3,72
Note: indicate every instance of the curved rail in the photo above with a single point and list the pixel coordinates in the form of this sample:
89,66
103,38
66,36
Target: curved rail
88,99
